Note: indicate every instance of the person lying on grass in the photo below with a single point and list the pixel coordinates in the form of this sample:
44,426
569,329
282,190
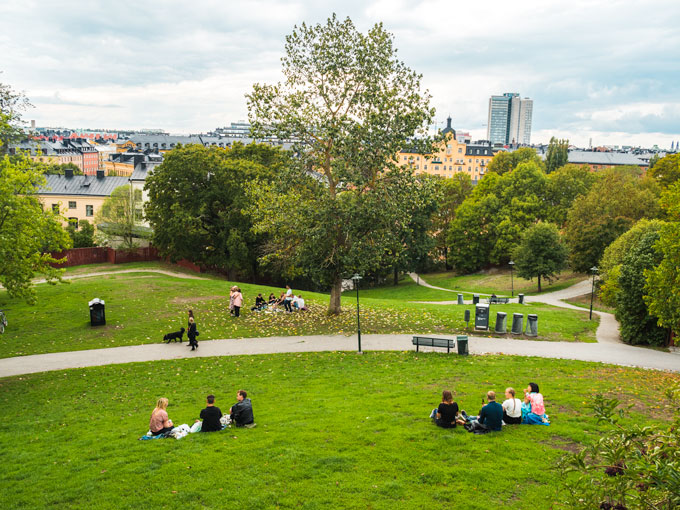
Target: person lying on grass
159,422
533,408
241,413
211,416
446,415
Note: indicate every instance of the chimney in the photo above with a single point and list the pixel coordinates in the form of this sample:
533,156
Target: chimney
68,173
100,174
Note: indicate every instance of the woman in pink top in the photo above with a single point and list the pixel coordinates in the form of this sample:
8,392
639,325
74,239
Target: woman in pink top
159,422
533,397
238,302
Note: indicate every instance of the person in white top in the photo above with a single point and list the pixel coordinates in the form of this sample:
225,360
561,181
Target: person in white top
301,303
512,408
288,300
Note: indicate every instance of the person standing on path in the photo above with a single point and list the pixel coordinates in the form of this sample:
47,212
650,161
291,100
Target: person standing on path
238,302
192,333
288,300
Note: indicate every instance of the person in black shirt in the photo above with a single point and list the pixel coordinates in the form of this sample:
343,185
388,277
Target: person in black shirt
241,412
445,415
260,303
211,416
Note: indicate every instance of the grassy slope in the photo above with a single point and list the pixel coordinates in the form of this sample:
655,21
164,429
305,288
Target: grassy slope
334,430
142,307
499,282
584,302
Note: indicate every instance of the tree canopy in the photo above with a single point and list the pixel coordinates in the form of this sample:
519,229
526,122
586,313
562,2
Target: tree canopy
12,104
541,253
504,162
350,105
120,217
666,170
557,155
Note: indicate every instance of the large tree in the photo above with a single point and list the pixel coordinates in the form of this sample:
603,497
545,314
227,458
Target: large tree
120,217
541,254
565,185
613,204
666,170
452,193
12,104
349,104
27,232
198,206
504,162
557,155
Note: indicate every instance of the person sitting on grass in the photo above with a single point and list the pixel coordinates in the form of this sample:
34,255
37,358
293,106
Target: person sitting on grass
490,417
512,408
272,299
159,422
241,413
211,416
260,303
445,415
533,406
299,303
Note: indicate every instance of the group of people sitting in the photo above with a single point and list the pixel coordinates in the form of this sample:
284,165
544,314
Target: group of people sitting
493,415
287,301
211,418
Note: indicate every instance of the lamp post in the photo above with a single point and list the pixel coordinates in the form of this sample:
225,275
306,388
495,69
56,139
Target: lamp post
355,278
512,282
592,291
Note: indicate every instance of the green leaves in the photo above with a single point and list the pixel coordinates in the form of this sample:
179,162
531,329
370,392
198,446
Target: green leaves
541,254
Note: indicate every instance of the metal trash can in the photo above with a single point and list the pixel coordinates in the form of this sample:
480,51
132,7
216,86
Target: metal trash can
97,312
521,298
467,316
532,325
460,299
517,320
501,323
475,299
481,316
462,342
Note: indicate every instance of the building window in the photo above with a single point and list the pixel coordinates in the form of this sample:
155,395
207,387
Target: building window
460,168
469,169
477,151
55,208
74,222
71,204
460,149
424,167
89,210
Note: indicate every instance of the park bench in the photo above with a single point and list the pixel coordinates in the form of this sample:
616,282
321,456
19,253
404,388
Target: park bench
498,300
426,341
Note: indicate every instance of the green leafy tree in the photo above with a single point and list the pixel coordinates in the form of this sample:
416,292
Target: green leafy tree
452,193
613,204
84,236
610,264
565,185
504,162
12,104
27,232
350,105
653,161
557,155
637,325
56,169
666,170
198,205
541,254
120,217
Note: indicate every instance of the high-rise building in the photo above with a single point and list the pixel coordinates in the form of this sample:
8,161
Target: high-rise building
510,119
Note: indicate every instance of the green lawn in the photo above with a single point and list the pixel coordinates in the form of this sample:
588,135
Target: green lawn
141,307
584,302
407,290
499,282
335,430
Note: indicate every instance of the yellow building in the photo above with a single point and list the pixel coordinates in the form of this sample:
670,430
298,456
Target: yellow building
452,157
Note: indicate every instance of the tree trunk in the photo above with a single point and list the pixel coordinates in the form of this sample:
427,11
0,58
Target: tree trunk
539,283
447,266
336,291
396,276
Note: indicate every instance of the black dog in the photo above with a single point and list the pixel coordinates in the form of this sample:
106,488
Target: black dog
176,336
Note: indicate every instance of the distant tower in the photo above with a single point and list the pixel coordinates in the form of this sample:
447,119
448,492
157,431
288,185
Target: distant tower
590,143
448,128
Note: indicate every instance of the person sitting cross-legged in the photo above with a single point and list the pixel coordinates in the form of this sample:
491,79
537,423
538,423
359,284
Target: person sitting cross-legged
211,416
490,417
446,414
241,413
260,303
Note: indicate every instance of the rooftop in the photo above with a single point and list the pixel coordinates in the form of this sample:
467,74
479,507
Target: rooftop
81,185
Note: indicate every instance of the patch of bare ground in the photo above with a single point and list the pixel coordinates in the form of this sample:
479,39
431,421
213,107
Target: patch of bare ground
562,443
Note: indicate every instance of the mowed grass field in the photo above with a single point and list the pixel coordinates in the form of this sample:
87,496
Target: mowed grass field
143,306
500,282
334,430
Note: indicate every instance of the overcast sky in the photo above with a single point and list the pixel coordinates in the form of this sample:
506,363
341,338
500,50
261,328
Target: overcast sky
606,69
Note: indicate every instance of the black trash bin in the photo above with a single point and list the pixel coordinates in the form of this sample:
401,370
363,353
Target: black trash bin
521,298
517,320
532,325
475,299
481,316
462,342
501,323
467,316
97,312
460,299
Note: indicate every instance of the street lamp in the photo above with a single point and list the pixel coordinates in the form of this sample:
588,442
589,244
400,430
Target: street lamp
512,283
355,278
592,292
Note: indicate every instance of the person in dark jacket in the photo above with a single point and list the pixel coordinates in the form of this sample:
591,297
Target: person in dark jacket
491,415
191,332
260,303
210,416
241,413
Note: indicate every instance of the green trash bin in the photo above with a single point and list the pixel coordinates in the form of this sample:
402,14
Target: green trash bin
475,299
460,299
501,323
521,299
462,342
532,325
517,322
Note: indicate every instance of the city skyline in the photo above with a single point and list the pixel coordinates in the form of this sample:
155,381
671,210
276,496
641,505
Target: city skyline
611,77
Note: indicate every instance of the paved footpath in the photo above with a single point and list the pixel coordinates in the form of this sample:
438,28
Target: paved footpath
608,349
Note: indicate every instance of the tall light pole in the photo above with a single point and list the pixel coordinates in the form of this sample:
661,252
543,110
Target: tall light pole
592,291
512,282
355,278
